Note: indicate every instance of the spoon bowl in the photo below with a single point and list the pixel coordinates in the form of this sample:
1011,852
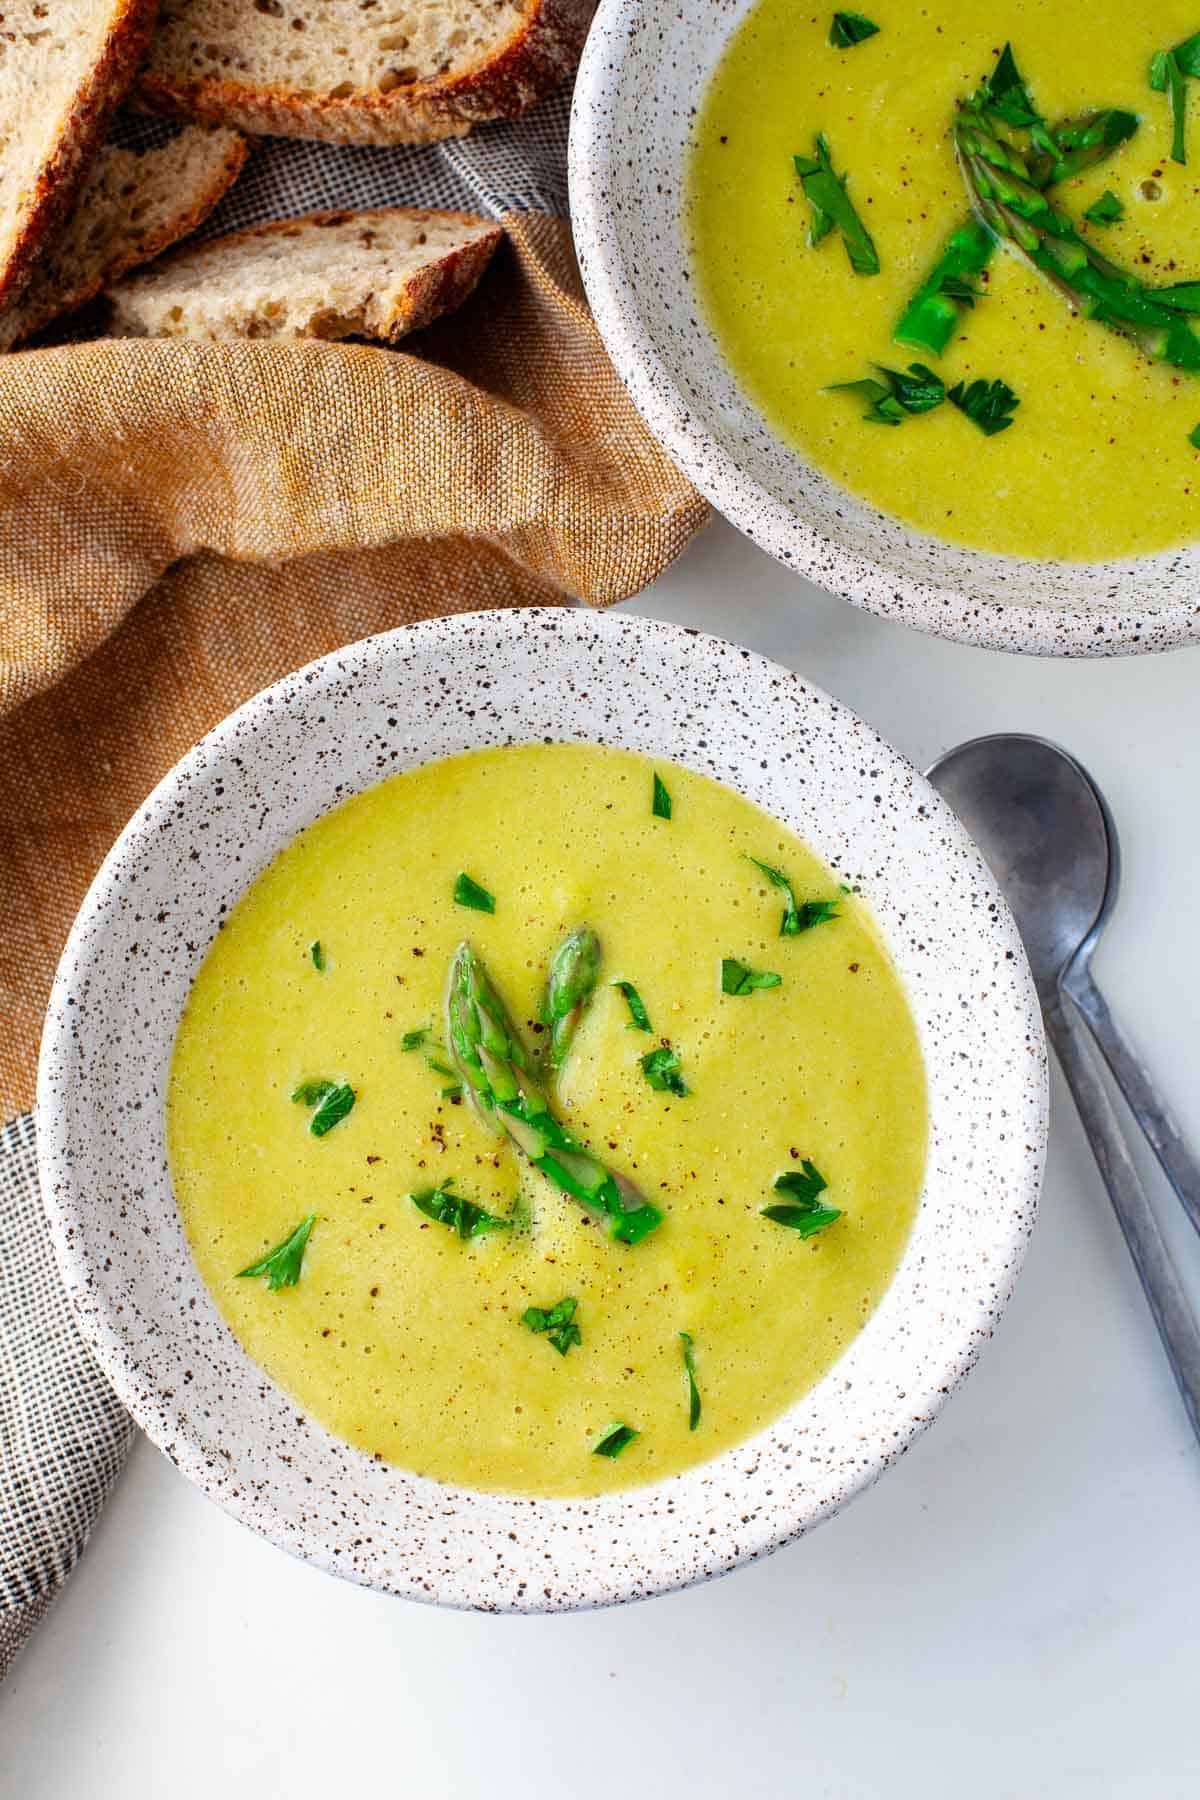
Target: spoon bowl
1044,828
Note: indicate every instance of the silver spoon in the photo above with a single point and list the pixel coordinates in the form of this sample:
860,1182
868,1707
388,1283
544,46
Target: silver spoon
1044,828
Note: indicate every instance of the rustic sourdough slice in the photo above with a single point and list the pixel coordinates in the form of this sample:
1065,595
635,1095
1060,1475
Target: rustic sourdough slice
64,64
134,204
360,71
372,274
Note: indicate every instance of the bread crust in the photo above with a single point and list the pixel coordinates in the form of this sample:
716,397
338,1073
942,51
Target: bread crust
27,320
536,57
438,287
57,183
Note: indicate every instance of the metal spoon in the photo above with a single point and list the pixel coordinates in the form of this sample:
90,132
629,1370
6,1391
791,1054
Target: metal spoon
1044,828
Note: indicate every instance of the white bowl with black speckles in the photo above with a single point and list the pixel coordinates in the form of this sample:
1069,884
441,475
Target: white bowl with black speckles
644,70
335,728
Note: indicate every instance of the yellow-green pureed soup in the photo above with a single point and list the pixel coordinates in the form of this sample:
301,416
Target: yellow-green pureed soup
408,1339
1097,462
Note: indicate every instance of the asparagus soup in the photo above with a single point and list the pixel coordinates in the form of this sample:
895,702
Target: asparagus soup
952,252
546,1120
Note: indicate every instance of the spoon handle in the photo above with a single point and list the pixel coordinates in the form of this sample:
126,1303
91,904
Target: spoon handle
1168,1302
1133,1078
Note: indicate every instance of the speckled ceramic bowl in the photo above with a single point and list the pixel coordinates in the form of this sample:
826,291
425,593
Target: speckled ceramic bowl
644,70
334,728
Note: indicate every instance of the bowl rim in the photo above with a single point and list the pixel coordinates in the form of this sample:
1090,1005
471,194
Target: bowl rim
853,575
66,1189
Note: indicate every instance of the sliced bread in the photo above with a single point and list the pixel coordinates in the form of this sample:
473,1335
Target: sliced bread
331,275
134,204
360,71
64,64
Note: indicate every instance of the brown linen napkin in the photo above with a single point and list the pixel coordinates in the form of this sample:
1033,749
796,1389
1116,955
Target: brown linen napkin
182,522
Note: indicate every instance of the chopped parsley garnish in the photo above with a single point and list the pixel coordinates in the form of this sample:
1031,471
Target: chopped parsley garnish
613,1439
801,915
1107,210
739,978
469,893
660,803
898,396
281,1266
332,1110
311,1093
1007,94
832,208
1169,70
988,404
463,1216
689,1363
814,912
317,955
850,28
422,1038
639,1018
558,1323
802,1211
1194,437
662,1070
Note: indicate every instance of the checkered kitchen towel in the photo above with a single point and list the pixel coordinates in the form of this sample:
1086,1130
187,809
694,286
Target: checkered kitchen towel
102,693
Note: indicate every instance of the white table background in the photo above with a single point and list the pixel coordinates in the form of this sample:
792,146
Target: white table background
1012,1613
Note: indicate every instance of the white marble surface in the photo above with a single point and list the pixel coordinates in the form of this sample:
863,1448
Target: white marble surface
1011,1614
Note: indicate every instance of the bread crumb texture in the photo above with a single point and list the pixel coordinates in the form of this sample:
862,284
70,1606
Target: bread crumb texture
374,274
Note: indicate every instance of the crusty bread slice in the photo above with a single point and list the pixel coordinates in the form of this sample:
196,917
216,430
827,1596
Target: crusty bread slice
360,71
64,64
331,275
134,204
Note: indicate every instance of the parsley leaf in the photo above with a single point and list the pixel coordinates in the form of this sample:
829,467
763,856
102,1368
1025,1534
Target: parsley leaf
1194,437
832,208
469,893
689,1363
281,1266
850,28
814,912
311,1093
318,956
639,1018
1007,94
332,1110
558,1323
988,404
660,805
738,978
1169,70
463,1216
412,1040
662,1070
802,1211
798,1219
613,1439
1106,210
803,1184
890,401
798,916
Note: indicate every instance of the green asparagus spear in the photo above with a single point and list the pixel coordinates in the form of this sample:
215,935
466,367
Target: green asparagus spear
1008,202
494,1066
1057,153
574,973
